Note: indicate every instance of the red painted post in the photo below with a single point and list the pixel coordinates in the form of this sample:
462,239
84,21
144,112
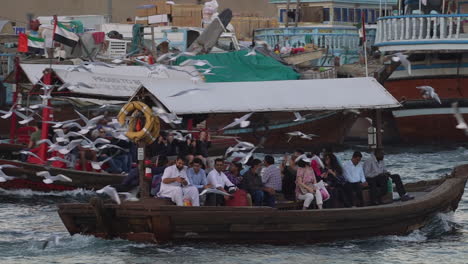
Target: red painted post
46,116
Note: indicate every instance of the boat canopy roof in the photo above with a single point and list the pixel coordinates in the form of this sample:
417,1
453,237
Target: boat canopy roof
269,96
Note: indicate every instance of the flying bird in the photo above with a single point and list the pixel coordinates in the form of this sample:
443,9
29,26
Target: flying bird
188,91
461,124
29,153
429,92
3,176
301,135
247,157
404,61
299,117
168,118
242,122
111,192
69,163
49,179
78,67
251,52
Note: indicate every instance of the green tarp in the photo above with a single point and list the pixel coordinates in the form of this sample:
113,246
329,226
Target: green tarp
236,67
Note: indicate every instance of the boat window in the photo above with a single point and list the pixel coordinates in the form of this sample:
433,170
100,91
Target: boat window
358,15
377,14
336,14
282,16
417,57
371,13
326,14
345,14
351,15
366,15
447,56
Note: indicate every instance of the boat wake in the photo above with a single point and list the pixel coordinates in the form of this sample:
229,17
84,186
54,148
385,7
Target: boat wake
29,193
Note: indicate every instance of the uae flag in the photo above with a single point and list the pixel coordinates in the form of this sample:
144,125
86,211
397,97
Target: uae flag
35,45
65,36
30,44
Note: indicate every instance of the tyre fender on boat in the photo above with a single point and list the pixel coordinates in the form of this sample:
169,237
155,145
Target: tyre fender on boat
135,111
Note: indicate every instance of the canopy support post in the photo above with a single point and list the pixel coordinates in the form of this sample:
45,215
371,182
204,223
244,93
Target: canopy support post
378,126
13,118
144,188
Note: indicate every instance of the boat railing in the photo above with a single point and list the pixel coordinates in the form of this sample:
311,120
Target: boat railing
421,29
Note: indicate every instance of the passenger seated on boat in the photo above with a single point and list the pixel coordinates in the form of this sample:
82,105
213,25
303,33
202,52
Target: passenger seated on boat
187,149
202,145
234,173
252,183
355,180
377,177
35,136
158,171
305,185
159,147
247,166
176,185
271,179
289,170
315,165
220,181
197,175
332,175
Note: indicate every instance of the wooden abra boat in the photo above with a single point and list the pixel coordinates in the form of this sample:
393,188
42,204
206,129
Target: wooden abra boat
153,220
27,179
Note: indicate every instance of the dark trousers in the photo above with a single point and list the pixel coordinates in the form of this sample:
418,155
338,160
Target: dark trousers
337,197
260,198
213,199
351,188
378,185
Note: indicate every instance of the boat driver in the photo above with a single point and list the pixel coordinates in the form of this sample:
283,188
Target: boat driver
176,185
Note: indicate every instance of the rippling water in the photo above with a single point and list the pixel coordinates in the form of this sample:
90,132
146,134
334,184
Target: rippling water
28,219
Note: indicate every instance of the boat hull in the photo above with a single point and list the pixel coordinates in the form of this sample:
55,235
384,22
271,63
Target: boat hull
426,121
27,179
153,221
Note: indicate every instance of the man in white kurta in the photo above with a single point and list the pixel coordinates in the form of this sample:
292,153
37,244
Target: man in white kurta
176,185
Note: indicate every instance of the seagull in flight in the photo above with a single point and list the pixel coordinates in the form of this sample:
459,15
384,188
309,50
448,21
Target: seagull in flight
111,192
240,146
3,176
301,135
242,122
58,124
247,157
429,92
459,117
251,52
299,117
403,58
69,163
73,86
49,179
78,67
29,153
168,118
188,91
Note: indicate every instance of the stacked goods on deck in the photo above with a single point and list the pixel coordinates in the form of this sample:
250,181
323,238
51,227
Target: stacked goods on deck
245,26
187,15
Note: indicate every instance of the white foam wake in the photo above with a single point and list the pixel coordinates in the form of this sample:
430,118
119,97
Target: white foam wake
31,193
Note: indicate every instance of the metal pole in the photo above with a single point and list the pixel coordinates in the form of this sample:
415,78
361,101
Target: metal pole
296,14
378,122
15,99
287,13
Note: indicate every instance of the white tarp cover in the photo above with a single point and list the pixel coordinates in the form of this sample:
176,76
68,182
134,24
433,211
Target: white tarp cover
321,94
120,81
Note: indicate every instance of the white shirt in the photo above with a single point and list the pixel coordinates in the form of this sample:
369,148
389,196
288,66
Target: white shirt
353,173
218,179
174,172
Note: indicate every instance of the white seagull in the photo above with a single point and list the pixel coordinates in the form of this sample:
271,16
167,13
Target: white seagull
188,91
459,117
58,124
251,52
299,117
3,176
168,118
73,86
70,164
78,67
301,135
242,122
49,179
111,192
429,92
247,157
404,61
29,153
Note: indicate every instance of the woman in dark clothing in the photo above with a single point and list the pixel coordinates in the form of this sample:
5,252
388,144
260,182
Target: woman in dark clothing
333,175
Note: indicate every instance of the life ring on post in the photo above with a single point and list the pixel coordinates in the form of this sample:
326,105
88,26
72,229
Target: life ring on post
140,112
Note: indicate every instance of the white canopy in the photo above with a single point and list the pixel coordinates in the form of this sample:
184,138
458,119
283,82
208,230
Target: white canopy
270,96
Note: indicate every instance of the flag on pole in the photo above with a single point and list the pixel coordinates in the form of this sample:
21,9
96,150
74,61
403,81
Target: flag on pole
22,42
64,35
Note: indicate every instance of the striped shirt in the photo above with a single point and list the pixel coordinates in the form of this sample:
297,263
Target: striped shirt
272,177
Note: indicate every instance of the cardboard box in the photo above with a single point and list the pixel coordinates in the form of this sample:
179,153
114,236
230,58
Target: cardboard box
158,19
186,21
163,8
141,20
146,10
187,10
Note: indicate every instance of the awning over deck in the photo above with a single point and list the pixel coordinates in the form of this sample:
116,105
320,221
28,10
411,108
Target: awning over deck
271,96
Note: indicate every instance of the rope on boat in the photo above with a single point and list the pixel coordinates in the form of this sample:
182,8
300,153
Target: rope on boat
138,112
